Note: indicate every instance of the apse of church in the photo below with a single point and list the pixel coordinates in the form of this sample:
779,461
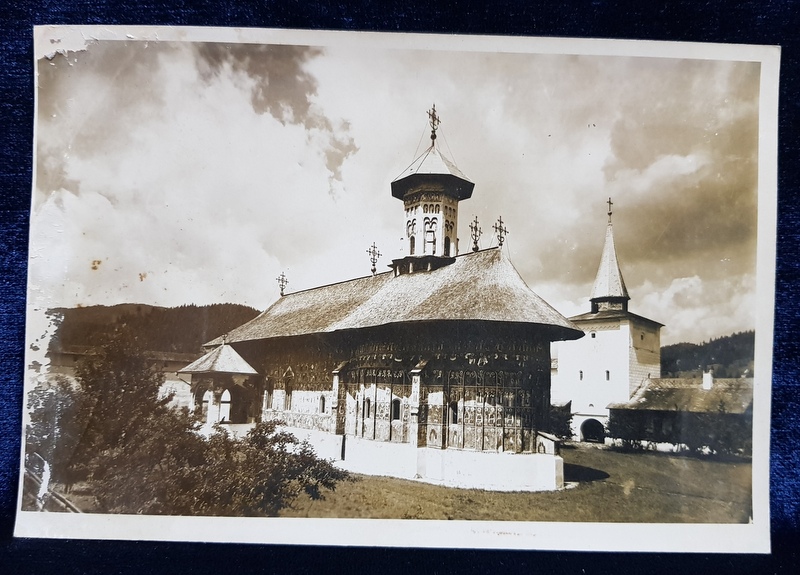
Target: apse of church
448,388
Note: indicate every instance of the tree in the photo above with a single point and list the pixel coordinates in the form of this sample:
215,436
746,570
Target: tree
119,387
53,431
560,421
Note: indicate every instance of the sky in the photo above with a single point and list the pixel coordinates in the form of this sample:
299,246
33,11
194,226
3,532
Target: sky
170,173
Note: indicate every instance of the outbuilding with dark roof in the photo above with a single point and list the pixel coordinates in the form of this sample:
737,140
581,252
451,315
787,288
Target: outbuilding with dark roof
697,413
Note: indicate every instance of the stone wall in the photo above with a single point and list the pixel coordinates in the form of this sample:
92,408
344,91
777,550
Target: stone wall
466,469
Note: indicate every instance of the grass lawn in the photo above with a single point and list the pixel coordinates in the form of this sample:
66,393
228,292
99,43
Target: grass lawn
604,486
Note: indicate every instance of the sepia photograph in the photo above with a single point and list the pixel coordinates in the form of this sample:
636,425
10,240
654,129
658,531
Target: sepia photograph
404,290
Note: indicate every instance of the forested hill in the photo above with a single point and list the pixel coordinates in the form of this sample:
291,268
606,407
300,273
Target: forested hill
729,356
179,329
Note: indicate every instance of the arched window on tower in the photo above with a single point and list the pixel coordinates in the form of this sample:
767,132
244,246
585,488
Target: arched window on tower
430,235
411,242
322,404
430,240
367,409
395,409
447,246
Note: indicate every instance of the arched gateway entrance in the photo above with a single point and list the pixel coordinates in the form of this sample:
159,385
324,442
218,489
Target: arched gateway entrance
592,430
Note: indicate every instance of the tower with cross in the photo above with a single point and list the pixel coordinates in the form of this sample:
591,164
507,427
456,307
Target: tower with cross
619,352
430,189
609,291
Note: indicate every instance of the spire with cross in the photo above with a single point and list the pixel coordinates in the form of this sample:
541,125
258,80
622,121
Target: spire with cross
501,231
475,232
374,254
434,120
609,291
282,281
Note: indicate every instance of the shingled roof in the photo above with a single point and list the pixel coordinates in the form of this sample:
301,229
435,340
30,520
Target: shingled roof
478,286
224,360
685,394
608,283
613,314
431,167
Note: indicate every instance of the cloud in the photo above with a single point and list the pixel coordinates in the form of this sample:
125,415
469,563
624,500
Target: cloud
705,308
281,87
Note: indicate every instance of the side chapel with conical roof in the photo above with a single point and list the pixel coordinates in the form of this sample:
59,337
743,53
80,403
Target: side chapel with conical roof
620,352
437,369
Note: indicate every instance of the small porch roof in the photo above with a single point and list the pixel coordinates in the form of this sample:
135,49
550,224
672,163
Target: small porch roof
222,359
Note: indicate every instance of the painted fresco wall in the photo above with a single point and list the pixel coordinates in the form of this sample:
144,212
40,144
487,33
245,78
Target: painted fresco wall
480,390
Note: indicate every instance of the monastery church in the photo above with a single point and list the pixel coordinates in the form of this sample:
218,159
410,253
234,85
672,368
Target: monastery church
619,354
438,369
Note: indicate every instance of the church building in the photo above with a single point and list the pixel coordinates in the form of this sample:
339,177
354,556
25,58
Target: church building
620,352
437,369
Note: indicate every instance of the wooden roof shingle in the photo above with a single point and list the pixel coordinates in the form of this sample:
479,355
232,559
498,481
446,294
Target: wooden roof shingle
609,283
731,395
477,286
222,359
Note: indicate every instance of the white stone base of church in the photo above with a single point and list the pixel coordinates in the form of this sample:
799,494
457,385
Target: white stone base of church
491,471
449,467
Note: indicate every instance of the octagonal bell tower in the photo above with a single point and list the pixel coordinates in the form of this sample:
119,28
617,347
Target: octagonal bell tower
430,188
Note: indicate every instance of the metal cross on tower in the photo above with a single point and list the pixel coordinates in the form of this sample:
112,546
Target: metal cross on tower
282,282
610,203
434,120
475,232
500,230
374,254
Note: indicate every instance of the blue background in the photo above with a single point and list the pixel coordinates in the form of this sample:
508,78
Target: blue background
760,22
